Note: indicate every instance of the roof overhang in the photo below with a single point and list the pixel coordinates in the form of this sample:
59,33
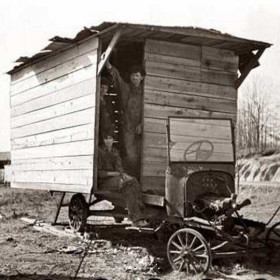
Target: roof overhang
244,48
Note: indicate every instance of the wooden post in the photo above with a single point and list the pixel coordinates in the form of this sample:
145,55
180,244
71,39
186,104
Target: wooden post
105,56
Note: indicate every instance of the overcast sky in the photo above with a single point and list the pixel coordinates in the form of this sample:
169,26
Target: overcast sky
26,26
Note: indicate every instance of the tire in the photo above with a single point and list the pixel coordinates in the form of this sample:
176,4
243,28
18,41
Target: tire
188,250
78,212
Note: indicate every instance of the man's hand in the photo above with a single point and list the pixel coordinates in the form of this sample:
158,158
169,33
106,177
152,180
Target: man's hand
125,177
138,129
108,64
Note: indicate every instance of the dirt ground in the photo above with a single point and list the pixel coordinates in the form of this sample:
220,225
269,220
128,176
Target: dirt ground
114,253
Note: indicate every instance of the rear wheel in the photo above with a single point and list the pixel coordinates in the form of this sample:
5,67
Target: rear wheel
78,212
187,250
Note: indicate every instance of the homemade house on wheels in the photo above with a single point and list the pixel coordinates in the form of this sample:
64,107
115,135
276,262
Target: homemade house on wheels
189,113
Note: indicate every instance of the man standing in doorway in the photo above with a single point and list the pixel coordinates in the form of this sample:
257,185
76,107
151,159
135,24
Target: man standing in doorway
131,103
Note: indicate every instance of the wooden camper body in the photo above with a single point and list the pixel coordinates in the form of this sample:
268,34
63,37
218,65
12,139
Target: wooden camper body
55,106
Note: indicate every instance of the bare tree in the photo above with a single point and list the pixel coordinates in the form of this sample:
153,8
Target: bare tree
255,116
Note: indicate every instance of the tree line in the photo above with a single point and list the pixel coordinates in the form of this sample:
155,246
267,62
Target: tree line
258,120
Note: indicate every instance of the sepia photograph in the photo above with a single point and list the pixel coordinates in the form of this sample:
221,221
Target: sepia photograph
139,140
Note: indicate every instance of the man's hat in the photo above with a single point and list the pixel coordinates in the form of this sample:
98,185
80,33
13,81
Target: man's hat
137,69
104,134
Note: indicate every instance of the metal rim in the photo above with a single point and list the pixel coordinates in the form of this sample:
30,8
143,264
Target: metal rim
187,250
78,212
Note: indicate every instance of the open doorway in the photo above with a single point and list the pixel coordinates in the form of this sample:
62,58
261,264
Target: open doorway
124,56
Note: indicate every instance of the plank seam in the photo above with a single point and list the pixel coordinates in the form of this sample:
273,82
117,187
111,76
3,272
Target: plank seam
54,116
76,70
56,65
188,80
52,92
52,130
166,105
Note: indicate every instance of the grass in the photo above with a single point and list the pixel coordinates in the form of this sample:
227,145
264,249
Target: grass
17,202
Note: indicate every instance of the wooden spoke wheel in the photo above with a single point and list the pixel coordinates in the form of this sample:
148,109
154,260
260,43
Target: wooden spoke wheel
187,250
273,238
78,212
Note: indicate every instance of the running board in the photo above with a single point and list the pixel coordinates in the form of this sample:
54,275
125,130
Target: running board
144,229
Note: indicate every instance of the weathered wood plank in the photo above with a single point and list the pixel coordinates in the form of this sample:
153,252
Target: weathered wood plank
105,56
219,59
154,152
155,160
201,140
60,109
56,163
60,70
152,184
81,177
218,77
152,57
56,91
72,134
188,73
201,121
190,101
55,59
155,125
154,166
171,70
187,144
204,155
152,139
200,130
158,140
155,170
173,49
75,188
191,88
70,120
78,148
163,112
181,143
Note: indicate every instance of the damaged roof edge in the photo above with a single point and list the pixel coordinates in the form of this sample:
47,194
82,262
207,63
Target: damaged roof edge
68,43
59,44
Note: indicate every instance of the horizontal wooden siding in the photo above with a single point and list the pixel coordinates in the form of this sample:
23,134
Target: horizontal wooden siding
52,121
182,80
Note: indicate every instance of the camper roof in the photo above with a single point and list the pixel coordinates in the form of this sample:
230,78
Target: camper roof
185,35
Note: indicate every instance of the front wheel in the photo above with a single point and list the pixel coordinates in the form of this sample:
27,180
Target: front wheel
187,250
78,212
